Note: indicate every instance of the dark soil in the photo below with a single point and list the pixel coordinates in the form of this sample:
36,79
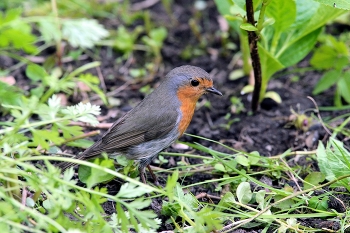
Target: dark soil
264,131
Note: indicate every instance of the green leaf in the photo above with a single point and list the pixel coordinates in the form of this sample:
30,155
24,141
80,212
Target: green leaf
123,220
36,72
49,31
130,190
306,9
83,33
274,96
269,64
260,198
319,204
284,13
247,89
254,157
93,176
342,4
248,27
241,159
44,137
9,95
334,161
313,179
244,193
224,7
83,112
80,143
344,86
220,167
327,80
227,200
236,74
16,33
298,49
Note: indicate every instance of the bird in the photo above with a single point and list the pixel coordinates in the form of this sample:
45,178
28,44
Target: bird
156,122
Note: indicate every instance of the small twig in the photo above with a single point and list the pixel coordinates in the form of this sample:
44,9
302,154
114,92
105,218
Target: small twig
206,169
143,5
24,196
98,126
40,59
85,135
293,153
102,80
203,195
319,116
58,153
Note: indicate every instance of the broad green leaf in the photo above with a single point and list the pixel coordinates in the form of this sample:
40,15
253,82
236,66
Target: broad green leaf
324,57
93,176
342,4
284,13
323,15
244,193
269,64
327,80
334,161
305,11
313,179
298,49
36,72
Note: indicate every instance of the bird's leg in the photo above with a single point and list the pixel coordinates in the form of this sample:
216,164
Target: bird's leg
142,174
153,175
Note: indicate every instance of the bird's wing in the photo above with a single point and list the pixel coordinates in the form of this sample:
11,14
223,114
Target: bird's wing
125,132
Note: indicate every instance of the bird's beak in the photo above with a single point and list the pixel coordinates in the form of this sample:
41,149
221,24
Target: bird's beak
214,91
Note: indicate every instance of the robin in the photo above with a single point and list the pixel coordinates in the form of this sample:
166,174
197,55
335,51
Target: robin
156,122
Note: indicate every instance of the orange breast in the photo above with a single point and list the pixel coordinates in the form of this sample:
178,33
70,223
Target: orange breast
188,98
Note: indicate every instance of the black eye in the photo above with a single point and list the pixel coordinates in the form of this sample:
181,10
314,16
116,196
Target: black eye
194,82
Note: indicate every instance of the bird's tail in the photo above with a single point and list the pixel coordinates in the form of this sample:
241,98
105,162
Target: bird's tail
89,153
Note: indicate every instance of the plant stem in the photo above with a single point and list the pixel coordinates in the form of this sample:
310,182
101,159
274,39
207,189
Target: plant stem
253,43
243,37
59,49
